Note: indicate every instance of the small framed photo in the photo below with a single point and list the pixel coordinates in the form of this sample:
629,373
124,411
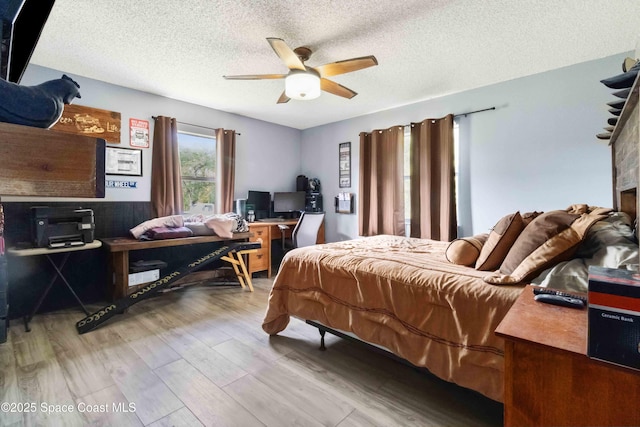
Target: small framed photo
344,159
123,161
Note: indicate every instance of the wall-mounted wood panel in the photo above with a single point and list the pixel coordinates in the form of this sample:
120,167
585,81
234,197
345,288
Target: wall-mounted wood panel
88,121
42,162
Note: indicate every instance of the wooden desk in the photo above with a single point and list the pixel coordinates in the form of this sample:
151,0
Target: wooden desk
549,380
265,232
119,248
58,271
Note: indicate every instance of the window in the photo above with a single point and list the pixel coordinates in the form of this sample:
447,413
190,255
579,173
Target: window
198,165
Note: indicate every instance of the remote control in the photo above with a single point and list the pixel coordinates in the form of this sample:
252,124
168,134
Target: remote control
538,291
560,300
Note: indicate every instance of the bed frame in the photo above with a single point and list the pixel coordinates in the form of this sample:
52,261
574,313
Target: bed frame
324,329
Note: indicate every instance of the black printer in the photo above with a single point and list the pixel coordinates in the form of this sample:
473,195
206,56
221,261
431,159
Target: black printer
61,227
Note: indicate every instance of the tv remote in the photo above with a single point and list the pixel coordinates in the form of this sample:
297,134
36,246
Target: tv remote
547,291
560,300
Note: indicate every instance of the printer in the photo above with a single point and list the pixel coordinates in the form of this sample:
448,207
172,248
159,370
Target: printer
61,227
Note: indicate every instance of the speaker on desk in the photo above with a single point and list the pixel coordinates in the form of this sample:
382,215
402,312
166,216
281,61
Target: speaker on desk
302,182
241,207
313,202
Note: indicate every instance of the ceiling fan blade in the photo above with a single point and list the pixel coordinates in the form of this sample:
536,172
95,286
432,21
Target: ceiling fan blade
336,89
287,54
283,98
346,66
256,77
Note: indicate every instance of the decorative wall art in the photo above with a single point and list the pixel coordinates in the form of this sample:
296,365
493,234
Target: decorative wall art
139,131
344,175
81,120
123,161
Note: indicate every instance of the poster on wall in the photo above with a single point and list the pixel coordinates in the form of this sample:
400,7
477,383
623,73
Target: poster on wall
344,158
123,161
139,131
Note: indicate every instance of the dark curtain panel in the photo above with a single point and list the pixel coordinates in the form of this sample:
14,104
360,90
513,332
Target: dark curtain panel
381,201
226,169
433,201
166,181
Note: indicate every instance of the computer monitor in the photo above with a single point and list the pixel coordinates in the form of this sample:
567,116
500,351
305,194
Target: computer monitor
293,201
260,202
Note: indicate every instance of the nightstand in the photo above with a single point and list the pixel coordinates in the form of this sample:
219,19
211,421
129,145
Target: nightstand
549,380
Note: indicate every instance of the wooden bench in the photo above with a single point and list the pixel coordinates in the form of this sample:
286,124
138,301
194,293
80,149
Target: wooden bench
119,248
167,281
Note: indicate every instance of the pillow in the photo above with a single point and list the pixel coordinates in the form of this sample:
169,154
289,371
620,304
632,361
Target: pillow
199,229
165,221
160,233
549,239
609,243
241,225
466,250
530,216
500,239
221,225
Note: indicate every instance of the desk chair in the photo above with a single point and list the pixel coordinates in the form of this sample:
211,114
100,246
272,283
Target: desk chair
305,232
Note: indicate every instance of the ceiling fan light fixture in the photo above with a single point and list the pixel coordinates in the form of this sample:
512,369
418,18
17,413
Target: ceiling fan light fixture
302,86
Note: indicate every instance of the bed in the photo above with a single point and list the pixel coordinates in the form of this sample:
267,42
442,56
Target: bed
405,296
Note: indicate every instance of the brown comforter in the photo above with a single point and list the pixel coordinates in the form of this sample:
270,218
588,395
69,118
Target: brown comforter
402,294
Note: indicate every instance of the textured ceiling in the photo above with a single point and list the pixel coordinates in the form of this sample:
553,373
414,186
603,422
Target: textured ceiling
425,49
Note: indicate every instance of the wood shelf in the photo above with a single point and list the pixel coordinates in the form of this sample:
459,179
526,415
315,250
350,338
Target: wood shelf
42,162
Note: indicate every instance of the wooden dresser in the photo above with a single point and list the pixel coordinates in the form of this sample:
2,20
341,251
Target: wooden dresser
550,381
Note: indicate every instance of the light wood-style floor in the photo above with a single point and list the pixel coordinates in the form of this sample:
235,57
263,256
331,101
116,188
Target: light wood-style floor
198,356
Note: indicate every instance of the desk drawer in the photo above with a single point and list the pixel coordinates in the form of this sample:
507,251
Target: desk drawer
260,233
259,261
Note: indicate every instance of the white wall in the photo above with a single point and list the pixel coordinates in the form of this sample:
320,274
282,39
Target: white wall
536,151
260,164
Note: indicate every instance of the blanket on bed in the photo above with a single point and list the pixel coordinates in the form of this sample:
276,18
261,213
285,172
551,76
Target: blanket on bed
401,294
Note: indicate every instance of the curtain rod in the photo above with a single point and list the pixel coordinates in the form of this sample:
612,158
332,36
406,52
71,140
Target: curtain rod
473,112
191,124
465,114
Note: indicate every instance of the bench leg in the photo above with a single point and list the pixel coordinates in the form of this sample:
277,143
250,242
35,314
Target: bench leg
243,266
234,263
236,260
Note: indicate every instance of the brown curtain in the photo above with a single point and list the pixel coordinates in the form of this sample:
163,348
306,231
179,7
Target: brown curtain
166,182
381,202
226,169
433,201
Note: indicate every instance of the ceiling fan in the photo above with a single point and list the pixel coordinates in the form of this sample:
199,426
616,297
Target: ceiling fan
304,82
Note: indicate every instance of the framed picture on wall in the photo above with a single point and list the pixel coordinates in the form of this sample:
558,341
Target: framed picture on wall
344,159
123,161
